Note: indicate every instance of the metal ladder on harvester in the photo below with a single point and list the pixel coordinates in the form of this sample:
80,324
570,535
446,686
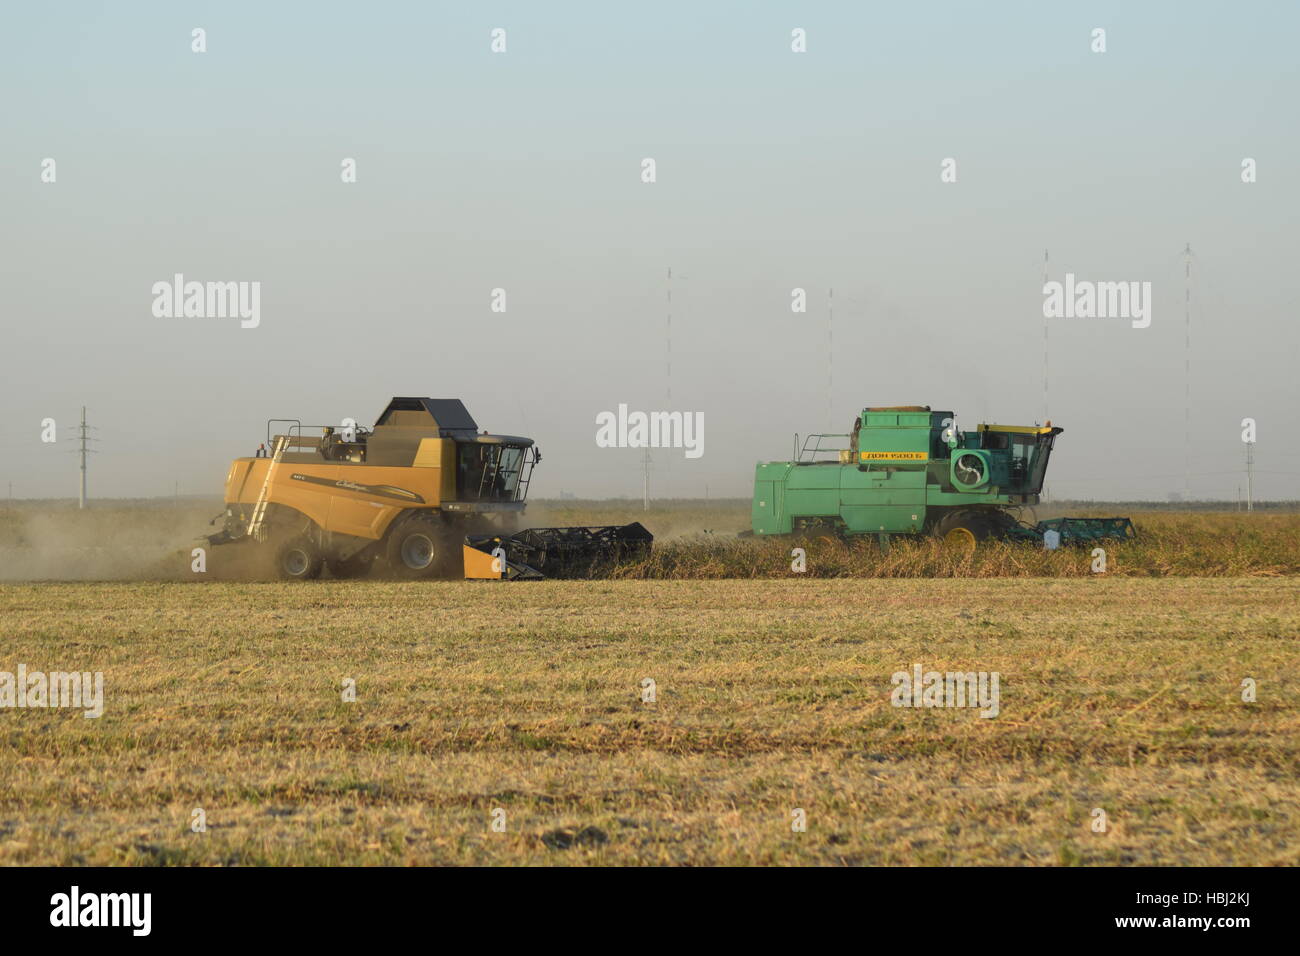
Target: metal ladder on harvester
255,523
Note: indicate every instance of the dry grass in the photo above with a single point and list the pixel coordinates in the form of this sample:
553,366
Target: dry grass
693,540
1117,693
1204,545
698,540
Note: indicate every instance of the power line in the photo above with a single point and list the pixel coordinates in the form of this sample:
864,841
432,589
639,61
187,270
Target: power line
830,358
1187,370
668,336
1046,414
1250,476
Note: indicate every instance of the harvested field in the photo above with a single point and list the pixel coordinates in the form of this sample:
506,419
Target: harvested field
1116,694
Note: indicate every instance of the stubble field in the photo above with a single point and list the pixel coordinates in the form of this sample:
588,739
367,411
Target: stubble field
521,705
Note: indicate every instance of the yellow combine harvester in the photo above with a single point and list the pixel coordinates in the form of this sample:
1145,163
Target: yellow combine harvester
424,493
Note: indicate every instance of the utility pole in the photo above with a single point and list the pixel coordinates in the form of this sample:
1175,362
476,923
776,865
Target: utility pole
83,436
1250,476
830,359
1187,372
645,464
668,336
1046,414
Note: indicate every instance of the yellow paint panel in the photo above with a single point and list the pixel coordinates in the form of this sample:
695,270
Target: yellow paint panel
360,516
447,488
429,454
481,564
335,496
895,456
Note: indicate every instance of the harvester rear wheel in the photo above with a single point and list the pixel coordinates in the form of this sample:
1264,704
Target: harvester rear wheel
298,559
420,548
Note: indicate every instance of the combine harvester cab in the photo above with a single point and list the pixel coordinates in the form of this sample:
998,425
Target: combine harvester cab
405,494
908,470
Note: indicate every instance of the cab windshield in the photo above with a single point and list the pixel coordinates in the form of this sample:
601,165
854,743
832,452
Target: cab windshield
1029,454
489,471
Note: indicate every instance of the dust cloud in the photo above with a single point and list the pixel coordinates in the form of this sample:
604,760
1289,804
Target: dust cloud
153,539
121,540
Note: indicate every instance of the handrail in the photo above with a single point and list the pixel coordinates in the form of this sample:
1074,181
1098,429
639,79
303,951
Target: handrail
531,458
277,421
295,433
811,453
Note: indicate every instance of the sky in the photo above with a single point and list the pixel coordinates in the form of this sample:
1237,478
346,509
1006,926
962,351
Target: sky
774,170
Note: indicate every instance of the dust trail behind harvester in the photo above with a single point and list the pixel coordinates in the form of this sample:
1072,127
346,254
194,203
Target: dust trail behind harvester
152,539
109,541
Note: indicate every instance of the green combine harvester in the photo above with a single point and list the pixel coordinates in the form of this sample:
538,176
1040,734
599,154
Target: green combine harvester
909,470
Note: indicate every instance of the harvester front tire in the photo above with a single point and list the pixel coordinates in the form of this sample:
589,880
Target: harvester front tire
298,559
964,529
420,548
